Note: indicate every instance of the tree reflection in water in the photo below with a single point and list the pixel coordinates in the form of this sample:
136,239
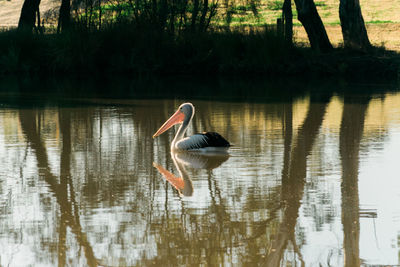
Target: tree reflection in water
112,204
351,131
63,190
293,180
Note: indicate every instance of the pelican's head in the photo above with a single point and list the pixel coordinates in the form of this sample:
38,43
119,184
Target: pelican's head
185,112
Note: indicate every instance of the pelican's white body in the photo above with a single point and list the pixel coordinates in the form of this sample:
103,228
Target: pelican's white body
197,142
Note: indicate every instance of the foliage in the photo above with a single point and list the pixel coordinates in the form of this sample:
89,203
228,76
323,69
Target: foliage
172,16
129,49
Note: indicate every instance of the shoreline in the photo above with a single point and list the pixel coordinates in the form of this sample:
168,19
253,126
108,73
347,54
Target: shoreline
125,50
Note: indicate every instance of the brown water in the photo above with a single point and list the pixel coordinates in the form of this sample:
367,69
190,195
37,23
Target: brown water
310,181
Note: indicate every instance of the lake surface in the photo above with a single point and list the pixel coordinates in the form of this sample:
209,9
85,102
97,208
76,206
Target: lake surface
312,179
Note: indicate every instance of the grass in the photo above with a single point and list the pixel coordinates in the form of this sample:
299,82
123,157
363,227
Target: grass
384,11
320,4
381,17
274,5
379,22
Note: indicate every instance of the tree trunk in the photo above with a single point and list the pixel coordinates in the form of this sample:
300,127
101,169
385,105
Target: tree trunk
100,13
203,15
28,15
288,20
308,16
64,20
39,28
162,18
194,14
353,28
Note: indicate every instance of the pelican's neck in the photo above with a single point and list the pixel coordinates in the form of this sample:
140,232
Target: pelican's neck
182,129
179,135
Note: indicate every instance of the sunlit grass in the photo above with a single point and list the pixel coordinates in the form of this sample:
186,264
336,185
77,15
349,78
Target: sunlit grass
379,21
384,11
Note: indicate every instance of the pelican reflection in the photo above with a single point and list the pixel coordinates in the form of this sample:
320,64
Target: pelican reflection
182,183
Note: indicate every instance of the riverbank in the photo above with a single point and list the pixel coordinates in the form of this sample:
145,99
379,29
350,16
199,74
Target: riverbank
133,51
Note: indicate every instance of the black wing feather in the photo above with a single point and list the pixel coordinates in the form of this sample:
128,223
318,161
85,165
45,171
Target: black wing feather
213,139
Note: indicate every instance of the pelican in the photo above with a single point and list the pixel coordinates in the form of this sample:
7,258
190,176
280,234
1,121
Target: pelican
209,141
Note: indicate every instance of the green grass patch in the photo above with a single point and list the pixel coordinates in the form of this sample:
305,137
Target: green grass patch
379,21
274,5
320,3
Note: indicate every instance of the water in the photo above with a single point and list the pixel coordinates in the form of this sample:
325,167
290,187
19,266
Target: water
312,179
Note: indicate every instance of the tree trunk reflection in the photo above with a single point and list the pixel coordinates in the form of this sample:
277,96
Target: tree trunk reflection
293,184
351,130
64,197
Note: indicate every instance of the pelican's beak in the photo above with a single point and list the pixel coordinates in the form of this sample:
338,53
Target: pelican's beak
178,117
